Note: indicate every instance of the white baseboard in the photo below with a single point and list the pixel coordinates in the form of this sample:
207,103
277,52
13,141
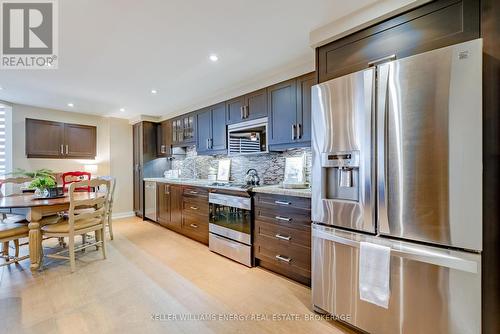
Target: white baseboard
119,215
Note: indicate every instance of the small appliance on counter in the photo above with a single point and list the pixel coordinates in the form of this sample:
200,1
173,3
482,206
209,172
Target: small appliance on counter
252,177
212,174
171,174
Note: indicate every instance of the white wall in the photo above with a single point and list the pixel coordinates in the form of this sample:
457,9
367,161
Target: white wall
114,149
121,163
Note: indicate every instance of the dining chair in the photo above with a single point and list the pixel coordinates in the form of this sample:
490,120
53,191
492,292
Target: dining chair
10,217
12,232
72,177
80,223
109,213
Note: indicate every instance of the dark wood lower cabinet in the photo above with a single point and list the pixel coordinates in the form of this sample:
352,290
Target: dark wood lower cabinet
282,235
175,208
184,209
195,213
163,204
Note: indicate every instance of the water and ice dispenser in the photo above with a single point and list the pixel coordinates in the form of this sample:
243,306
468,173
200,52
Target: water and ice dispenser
342,175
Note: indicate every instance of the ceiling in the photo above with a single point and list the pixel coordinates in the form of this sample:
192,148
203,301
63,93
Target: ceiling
113,53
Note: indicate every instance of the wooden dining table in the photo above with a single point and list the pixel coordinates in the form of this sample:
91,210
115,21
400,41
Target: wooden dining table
37,209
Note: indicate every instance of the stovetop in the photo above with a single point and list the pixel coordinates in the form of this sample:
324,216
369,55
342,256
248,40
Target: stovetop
231,185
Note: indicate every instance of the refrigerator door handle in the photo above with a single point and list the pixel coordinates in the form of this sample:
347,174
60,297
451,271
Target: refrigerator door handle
412,252
381,133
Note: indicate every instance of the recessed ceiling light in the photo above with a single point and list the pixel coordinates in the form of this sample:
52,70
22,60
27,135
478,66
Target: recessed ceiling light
122,109
154,91
1,88
213,57
71,105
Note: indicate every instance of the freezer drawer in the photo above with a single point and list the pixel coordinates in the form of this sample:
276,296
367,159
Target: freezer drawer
433,290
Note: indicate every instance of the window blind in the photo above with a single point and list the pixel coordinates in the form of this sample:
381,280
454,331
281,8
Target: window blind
2,142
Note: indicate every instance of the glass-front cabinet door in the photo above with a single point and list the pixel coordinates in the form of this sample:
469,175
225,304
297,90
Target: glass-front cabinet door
183,130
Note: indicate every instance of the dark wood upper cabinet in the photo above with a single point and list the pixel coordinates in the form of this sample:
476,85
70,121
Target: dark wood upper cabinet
56,140
44,139
204,133
434,25
219,133
282,106
255,104
289,105
164,139
80,141
234,109
304,86
211,130
184,130
247,107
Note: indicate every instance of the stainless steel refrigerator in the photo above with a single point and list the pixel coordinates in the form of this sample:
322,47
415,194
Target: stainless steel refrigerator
397,161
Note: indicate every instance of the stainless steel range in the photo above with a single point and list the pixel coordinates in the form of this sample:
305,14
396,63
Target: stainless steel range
231,221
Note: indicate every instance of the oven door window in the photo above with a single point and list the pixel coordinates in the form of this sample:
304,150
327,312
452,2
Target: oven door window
231,218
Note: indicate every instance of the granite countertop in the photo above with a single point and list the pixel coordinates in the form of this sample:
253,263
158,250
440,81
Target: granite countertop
267,189
278,190
187,182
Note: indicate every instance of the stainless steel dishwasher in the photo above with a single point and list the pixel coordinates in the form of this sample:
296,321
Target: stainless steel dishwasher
150,200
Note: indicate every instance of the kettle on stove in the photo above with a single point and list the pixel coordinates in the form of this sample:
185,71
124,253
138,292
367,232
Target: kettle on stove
252,178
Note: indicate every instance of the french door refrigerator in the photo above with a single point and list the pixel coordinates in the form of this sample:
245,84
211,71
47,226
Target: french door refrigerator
397,162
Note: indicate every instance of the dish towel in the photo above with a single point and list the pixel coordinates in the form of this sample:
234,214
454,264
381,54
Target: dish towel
374,274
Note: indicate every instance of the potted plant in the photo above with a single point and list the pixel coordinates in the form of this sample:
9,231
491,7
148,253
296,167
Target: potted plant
42,180
42,185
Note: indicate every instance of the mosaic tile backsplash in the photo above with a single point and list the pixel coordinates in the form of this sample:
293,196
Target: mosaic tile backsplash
270,166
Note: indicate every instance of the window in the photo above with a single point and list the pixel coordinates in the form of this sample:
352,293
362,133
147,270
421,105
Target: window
5,139
3,143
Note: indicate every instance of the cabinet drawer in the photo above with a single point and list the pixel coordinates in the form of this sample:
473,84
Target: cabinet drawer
195,205
195,191
300,219
195,227
285,259
282,235
279,201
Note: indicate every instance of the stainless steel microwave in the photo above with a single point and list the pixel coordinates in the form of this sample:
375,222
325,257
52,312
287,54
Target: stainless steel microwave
248,137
